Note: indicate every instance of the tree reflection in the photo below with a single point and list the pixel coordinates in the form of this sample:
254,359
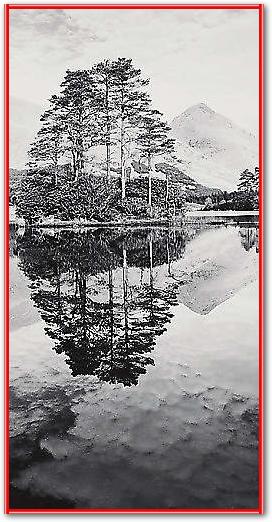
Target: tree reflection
249,237
104,318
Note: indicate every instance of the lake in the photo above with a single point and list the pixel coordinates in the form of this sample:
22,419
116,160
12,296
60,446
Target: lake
134,366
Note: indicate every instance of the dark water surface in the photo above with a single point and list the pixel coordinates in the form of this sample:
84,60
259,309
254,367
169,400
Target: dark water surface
134,367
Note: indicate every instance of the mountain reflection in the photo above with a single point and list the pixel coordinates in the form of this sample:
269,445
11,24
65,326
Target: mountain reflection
98,296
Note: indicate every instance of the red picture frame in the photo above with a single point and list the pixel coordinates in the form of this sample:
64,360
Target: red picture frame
260,8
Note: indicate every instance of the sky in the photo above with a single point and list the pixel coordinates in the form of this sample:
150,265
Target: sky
190,56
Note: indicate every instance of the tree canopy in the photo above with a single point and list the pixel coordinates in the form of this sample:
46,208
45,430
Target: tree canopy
95,126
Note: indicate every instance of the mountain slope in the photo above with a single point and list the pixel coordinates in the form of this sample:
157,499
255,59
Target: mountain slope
213,150
188,184
175,175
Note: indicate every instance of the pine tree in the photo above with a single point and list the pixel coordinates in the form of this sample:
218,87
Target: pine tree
246,181
47,149
153,140
256,180
102,73
76,110
247,196
131,102
70,125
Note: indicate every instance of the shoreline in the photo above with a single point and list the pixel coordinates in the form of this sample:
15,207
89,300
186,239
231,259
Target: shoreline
222,213
140,222
104,224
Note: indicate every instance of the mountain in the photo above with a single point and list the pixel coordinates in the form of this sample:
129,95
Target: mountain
212,149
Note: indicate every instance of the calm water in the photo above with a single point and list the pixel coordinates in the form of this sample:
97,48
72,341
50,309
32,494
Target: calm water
134,367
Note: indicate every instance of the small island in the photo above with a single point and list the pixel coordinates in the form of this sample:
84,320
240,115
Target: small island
104,156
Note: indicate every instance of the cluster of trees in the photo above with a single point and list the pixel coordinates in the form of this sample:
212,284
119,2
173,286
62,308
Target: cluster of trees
214,197
104,320
249,181
246,197
105,111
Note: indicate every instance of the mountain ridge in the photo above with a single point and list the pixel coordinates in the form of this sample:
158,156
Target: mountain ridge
212,149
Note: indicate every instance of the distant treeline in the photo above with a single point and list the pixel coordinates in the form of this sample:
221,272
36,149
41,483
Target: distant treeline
246,197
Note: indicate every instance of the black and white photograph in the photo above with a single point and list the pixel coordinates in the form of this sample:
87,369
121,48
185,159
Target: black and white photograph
134,275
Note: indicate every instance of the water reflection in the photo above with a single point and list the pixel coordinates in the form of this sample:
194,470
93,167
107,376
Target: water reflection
186,435
99,297
103,320
249,238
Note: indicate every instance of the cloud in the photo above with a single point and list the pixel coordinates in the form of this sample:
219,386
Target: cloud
49,30
189,55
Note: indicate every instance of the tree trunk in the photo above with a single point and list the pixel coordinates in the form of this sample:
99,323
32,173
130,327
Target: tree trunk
122,158
74,165
149,183
167,190
123,172
108,160
76,174
168,254
56,170
79,165
108,132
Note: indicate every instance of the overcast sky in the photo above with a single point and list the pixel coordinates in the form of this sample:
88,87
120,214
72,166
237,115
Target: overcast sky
190,56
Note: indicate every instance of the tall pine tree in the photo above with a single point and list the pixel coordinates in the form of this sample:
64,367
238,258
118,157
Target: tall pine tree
76,109
131,103
47,149
153,140
103,76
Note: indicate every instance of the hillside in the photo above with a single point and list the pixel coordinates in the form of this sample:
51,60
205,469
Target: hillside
212,149
189,185
137,187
